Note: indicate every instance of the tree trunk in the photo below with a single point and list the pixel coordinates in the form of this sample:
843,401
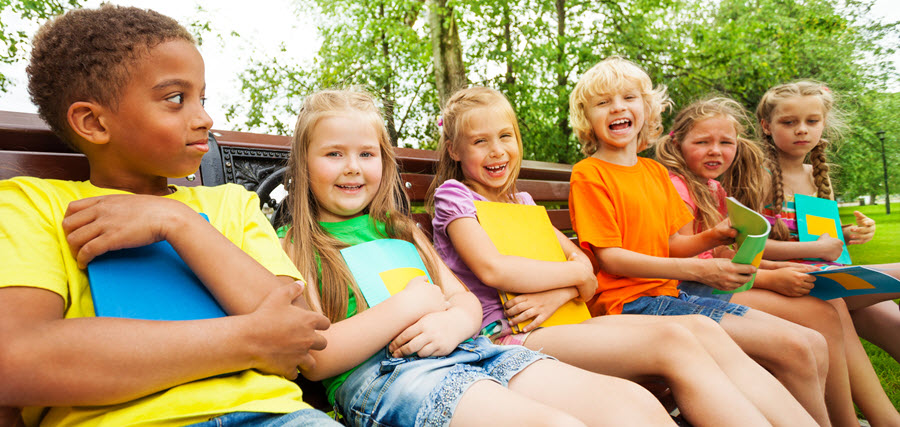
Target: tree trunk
449,70
387,88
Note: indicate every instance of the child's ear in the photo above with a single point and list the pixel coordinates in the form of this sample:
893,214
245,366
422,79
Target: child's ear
451,151
85,119
765,126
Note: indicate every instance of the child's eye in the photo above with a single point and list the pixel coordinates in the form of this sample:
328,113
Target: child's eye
728,142
813,121
506,135
334,154
478,141
202,101
366,154
177,98
787,122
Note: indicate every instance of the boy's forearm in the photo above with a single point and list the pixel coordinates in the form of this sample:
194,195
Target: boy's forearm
99,361
684,246
623,262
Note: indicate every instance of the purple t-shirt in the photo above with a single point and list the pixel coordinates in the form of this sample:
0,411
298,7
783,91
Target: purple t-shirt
453,200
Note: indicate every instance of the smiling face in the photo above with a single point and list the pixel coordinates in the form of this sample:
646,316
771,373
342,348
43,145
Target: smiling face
617,118
344,160
487,150
709,147
796,125
159,128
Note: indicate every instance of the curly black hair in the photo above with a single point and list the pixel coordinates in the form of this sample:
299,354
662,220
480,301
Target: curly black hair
87,54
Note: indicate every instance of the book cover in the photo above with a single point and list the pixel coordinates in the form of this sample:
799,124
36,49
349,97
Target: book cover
150,282
854,280
817,216
383,267
753,231
526,231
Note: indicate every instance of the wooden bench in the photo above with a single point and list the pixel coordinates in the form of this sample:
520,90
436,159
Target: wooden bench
27,147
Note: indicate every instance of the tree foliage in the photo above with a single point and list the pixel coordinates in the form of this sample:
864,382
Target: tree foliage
534,51
14,40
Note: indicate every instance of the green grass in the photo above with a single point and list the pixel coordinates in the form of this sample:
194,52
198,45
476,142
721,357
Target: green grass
882,249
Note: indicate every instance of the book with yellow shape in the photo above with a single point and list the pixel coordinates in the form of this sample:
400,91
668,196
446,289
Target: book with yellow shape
753,232
383,267
526,231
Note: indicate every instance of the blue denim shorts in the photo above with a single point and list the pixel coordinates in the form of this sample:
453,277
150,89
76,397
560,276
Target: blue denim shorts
683,305
412,391
698,289
302,418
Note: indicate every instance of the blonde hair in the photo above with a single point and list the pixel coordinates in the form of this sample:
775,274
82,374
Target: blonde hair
455,117
612,74
312,249
744,178
832,133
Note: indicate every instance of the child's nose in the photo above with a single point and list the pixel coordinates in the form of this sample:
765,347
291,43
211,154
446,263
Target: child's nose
352,166
202,120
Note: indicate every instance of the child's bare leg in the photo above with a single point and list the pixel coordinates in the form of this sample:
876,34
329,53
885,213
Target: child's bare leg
867,391
796,355
594,399
879,324
823,318
628,347
488,397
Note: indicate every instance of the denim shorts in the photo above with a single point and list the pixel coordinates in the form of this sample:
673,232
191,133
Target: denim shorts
685,304
698,289
302,418
412,391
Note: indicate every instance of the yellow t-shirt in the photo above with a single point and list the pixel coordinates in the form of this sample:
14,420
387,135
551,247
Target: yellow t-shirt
35,254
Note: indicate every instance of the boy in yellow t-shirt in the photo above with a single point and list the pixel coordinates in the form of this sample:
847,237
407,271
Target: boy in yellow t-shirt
125,86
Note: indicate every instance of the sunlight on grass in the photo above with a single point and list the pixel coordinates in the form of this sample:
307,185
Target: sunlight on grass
884,248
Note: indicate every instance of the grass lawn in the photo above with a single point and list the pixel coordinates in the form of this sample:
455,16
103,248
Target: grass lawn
881,250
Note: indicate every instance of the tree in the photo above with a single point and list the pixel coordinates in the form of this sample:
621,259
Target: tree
13,42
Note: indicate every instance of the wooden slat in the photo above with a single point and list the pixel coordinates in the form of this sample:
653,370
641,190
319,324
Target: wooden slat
69,166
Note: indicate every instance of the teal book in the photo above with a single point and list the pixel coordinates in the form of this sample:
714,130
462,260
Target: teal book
854,280
817,216
753,231
383,267
150,282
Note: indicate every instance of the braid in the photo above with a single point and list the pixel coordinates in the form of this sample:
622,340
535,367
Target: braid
821,169
779,230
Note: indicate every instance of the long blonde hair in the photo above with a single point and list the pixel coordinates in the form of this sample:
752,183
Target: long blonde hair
312,249
454,116
832,133
744,178
611,74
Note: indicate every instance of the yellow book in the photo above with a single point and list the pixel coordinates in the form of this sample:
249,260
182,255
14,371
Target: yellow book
526,231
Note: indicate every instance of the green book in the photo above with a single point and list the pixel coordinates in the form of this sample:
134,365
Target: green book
753,231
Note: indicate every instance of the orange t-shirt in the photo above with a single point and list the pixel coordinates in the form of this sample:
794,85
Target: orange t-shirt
630,207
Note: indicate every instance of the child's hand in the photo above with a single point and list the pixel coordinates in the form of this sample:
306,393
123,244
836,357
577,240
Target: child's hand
828,248
97,225
424,295
536,307
723,274
723,233
862,232
723,251
587,286
432,335
793,281
282,335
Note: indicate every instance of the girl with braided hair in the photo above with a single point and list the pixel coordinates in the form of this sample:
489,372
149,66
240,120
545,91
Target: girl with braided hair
798,124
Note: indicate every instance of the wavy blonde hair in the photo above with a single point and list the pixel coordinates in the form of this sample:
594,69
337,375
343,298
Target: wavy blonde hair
615,74
744,178
455,116
312,249
834,127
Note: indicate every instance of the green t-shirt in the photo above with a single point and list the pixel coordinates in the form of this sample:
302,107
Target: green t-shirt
353,232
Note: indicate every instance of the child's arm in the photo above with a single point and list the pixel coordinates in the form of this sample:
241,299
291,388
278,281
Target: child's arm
825,247
47,359
355,339
788,281
438,333
862,232
100,224
716,272
517,274
685,244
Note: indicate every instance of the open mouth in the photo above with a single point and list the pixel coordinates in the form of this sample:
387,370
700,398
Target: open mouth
713,165
496,170
620,125
349,187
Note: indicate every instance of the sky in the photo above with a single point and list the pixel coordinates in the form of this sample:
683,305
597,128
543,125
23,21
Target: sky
262,27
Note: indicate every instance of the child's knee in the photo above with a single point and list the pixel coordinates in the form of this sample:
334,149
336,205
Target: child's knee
801,349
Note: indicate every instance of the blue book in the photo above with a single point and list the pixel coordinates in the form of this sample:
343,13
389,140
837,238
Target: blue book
383,267
817,216
854,280
150,282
